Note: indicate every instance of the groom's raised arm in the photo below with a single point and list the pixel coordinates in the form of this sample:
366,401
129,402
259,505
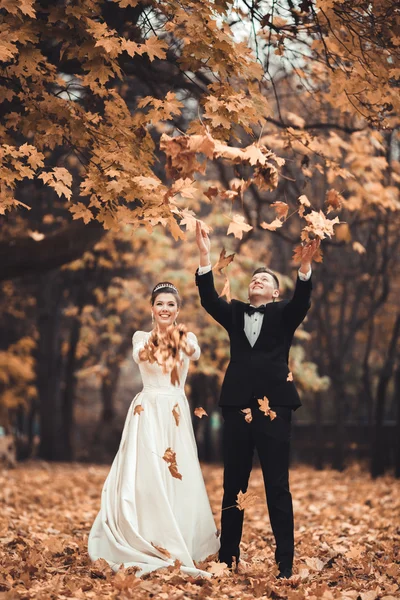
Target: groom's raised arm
296,309
218,308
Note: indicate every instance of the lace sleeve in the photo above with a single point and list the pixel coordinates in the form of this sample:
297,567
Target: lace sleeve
192,339
138,341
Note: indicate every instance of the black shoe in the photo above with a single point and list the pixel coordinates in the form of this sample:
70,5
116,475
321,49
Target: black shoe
233,562
285,573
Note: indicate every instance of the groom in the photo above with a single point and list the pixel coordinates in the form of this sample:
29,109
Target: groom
260,335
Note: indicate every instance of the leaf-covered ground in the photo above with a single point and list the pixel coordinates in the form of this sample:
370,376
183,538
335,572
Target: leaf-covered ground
347,540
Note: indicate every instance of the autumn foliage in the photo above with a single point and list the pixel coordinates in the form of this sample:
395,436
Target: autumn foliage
344,528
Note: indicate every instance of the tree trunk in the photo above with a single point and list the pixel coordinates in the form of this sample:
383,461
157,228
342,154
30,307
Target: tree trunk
319,440
49,363
397,400
378,461
339,455
68,399
108,388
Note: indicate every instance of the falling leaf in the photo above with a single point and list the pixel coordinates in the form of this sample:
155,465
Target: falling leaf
223,260
161,550
138,409
333,200
290,376
245,500
218,569
319,225
200,412
176,413
170,457
226,290
359,248
276,223
248,417
36,235
238,226
304,203
281,209
265,408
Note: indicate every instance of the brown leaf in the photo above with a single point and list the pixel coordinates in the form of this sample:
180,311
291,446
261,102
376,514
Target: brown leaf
248,417
138,409
200,412
281,209
333,201
238,226
226,290
170,457
223,260
245,500
276,223
176,413
161,550
219,569
265,408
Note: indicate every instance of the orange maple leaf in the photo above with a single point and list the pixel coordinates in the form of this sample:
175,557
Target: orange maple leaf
223,260
237,226
138,409
290,376
176,413
200,412
245,500
248,417
161,550
265,408
226,290
281,209
170,457
218,569
333,200
276,223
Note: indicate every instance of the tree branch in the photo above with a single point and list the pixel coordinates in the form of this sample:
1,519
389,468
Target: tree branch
24,256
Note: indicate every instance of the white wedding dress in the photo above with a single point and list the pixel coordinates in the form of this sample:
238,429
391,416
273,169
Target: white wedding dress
142,505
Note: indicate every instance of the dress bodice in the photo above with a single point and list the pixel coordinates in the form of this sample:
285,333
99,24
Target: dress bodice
152,374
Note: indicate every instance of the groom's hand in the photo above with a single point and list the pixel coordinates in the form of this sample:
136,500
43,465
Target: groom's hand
203,244
307,255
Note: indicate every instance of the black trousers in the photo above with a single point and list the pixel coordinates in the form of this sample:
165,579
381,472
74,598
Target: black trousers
271,439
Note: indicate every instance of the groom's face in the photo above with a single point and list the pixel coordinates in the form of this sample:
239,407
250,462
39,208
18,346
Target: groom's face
262,289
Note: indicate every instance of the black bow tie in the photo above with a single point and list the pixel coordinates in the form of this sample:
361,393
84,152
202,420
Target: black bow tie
252,309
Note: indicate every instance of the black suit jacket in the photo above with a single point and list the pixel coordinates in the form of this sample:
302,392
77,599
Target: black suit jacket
261,370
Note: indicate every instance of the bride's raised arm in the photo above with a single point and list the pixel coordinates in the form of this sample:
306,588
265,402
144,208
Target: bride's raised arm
138,343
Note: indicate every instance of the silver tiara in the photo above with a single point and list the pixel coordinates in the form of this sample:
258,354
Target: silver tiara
165,285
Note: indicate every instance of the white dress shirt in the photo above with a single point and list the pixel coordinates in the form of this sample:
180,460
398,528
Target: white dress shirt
253,323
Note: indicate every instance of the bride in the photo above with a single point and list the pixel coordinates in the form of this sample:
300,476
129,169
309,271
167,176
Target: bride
154,505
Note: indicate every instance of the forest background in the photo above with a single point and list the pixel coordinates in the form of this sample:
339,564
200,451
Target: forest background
124,121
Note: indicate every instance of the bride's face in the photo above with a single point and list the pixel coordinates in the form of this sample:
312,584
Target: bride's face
165,310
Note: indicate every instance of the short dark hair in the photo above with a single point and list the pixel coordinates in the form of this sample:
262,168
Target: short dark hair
165,287
265,270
